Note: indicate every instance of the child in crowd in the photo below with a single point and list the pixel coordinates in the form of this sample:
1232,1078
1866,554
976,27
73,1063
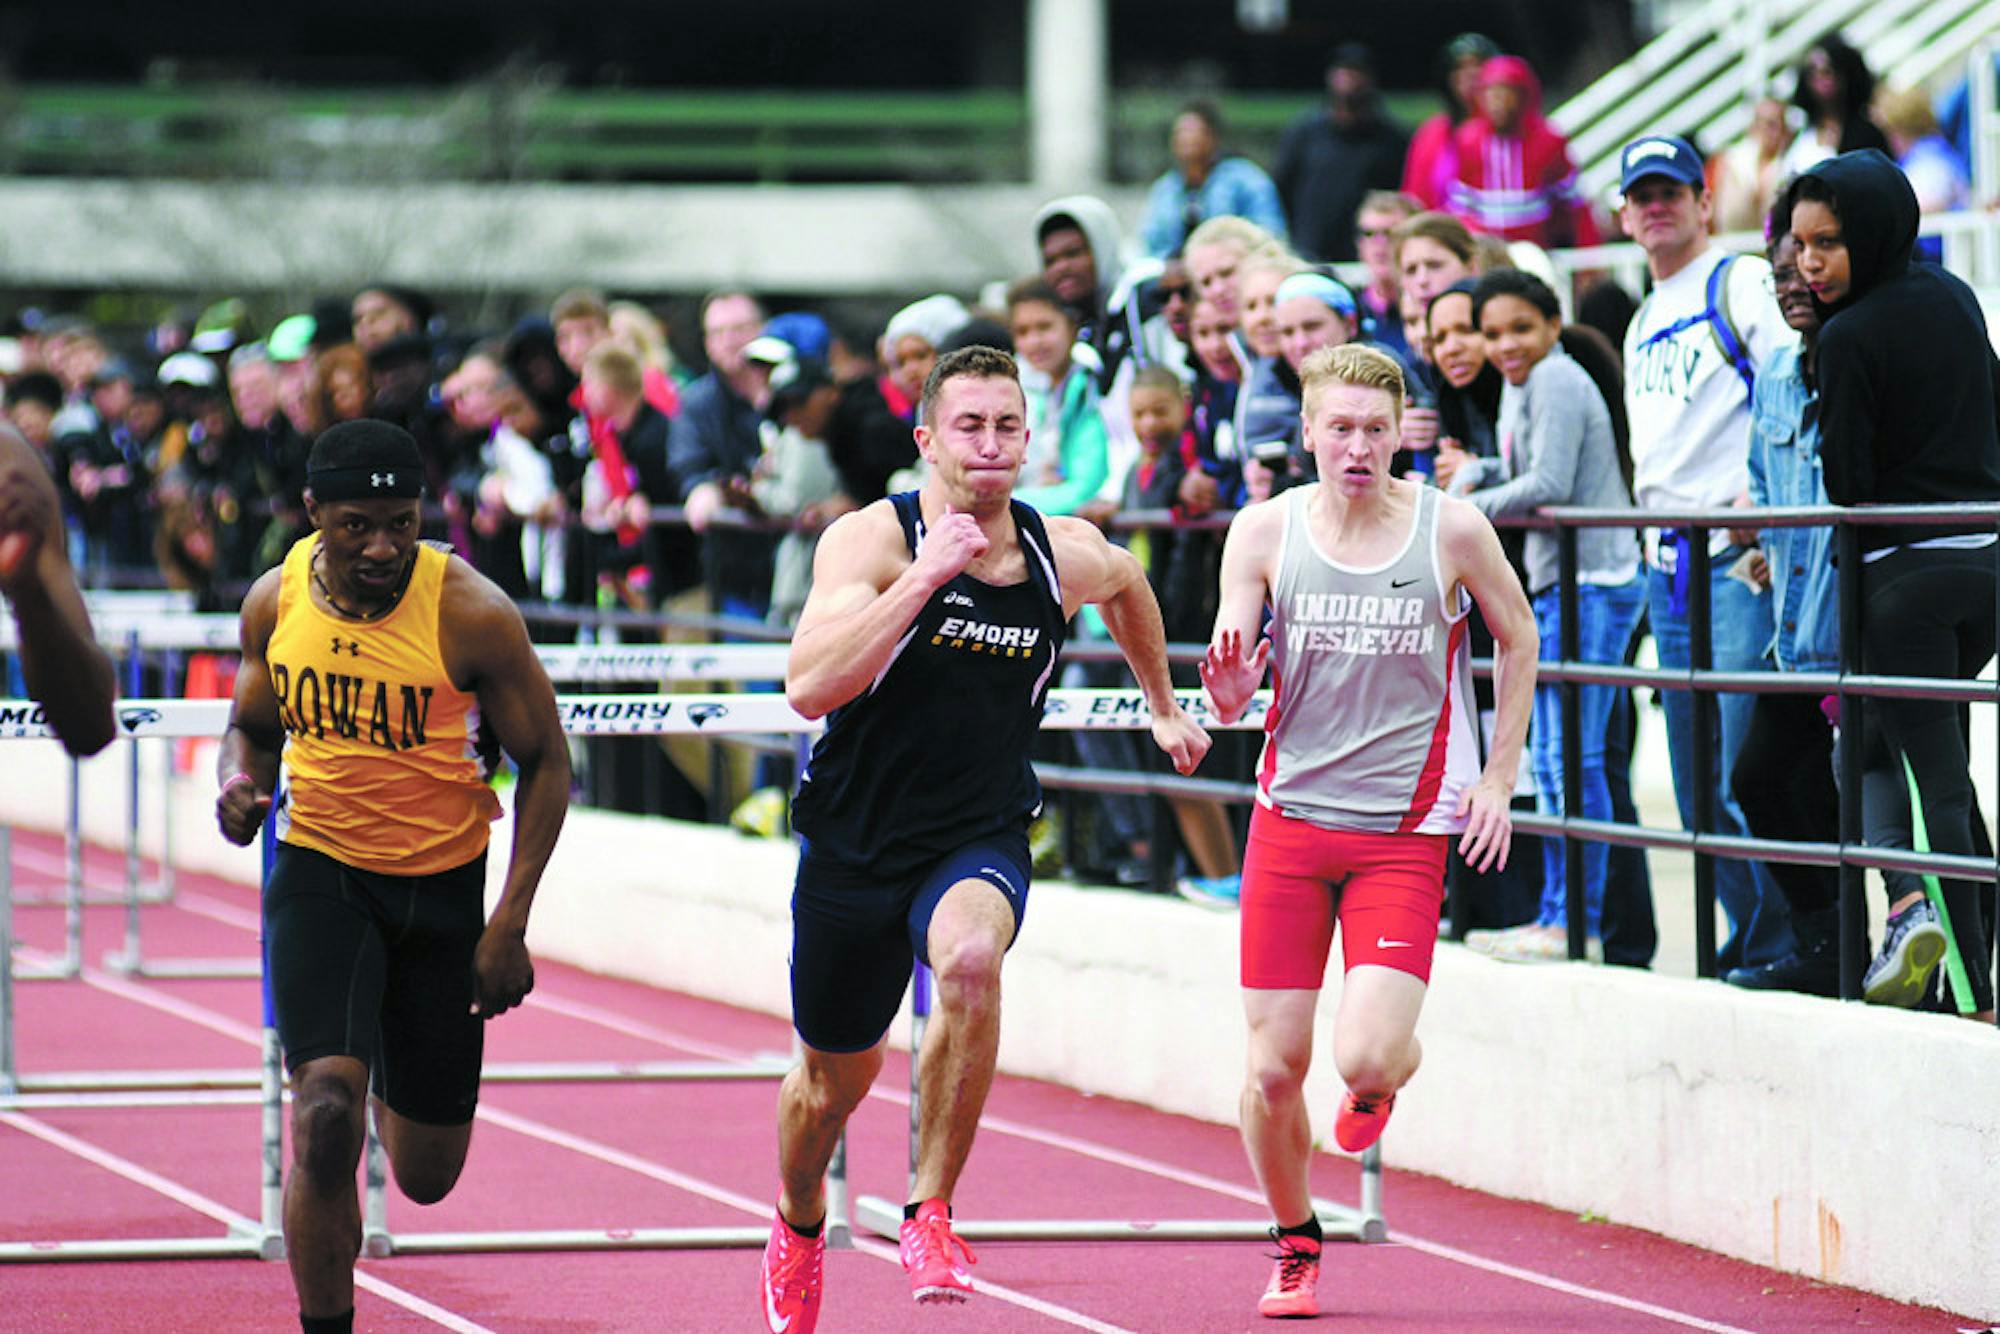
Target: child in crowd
1067,459
1182,565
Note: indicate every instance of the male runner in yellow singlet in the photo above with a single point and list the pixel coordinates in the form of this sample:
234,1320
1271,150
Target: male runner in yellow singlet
386,674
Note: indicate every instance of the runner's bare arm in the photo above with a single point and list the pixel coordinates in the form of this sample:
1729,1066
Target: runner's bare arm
865,592
489,653
1230,672
1473,559
1094,571
61,662
256,734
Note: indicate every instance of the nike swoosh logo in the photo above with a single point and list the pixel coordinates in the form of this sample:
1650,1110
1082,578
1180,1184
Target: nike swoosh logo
1401,583
779,1324
1384,943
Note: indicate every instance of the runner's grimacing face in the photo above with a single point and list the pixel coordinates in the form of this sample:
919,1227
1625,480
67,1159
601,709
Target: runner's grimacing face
978,442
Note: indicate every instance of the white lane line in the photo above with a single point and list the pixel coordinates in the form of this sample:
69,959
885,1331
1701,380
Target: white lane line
131,1171
221,1213
1452,1253
229,914
1215,1185
201,905
218,1211
579,1145
881,1250
760,1209
618,1023
630,1162
1102,1153
141,994
416,1305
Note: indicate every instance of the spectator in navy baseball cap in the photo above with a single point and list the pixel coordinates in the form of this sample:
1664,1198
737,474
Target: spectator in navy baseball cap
1666,155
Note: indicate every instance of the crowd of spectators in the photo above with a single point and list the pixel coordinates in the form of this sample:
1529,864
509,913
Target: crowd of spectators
1160,376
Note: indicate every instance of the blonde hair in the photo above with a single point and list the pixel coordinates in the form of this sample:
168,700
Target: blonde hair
1228,229
1273,257
1390,201
1491,254
641,331
618,367
1906,111
1352,364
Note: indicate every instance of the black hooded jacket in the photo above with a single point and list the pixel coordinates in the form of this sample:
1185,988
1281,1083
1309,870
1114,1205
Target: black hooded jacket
1907,373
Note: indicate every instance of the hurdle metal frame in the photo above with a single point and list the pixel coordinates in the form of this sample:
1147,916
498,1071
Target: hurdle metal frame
602,715
264,1238
884,1218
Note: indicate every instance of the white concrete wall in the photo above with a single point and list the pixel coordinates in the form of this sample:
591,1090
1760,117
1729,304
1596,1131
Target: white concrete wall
1852,1144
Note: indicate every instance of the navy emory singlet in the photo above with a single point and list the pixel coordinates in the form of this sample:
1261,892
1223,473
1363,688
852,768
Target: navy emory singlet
935,753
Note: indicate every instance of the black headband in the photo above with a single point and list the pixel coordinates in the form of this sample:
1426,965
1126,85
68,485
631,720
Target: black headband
386,481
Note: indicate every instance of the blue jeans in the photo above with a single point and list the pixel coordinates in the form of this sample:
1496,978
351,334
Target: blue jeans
1760,928
1606,615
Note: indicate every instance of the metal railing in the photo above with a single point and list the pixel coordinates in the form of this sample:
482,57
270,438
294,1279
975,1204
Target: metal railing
604,625
1850,686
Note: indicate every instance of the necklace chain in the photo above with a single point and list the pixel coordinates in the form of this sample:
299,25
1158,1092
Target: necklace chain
349,612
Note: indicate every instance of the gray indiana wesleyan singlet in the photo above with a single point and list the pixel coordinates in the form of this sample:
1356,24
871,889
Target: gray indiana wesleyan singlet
1371,725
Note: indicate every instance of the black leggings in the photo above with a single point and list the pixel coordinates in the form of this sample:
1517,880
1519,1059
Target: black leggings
1930,612
1784,782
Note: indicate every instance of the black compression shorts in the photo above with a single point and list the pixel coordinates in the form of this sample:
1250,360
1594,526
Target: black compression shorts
379,967
855,932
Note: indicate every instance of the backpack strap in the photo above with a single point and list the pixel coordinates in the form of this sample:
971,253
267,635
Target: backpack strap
1728,339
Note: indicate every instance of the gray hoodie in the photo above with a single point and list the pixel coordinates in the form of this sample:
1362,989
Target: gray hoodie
1557,448
1100,229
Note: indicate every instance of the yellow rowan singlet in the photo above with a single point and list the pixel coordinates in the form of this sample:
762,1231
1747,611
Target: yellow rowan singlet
382,767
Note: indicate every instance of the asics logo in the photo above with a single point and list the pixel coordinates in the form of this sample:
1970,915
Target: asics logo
1384,943
954,598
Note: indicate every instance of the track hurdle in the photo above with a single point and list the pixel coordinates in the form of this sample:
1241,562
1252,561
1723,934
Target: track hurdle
884,1218
601,715
712,715
129,627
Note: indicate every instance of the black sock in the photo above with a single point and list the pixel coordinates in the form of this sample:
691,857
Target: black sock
327,1324
1308,1229
812,1231
910,1210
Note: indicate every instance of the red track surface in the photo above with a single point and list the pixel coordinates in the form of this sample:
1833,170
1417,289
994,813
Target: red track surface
675,1155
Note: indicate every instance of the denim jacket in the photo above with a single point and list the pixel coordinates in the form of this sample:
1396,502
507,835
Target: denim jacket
1785,469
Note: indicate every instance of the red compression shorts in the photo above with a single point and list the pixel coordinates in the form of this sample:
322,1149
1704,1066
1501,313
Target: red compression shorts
1386,890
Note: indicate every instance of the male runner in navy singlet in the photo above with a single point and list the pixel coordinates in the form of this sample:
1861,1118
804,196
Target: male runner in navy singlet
931,637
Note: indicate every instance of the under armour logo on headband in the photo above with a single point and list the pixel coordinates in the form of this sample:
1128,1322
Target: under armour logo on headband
380,479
